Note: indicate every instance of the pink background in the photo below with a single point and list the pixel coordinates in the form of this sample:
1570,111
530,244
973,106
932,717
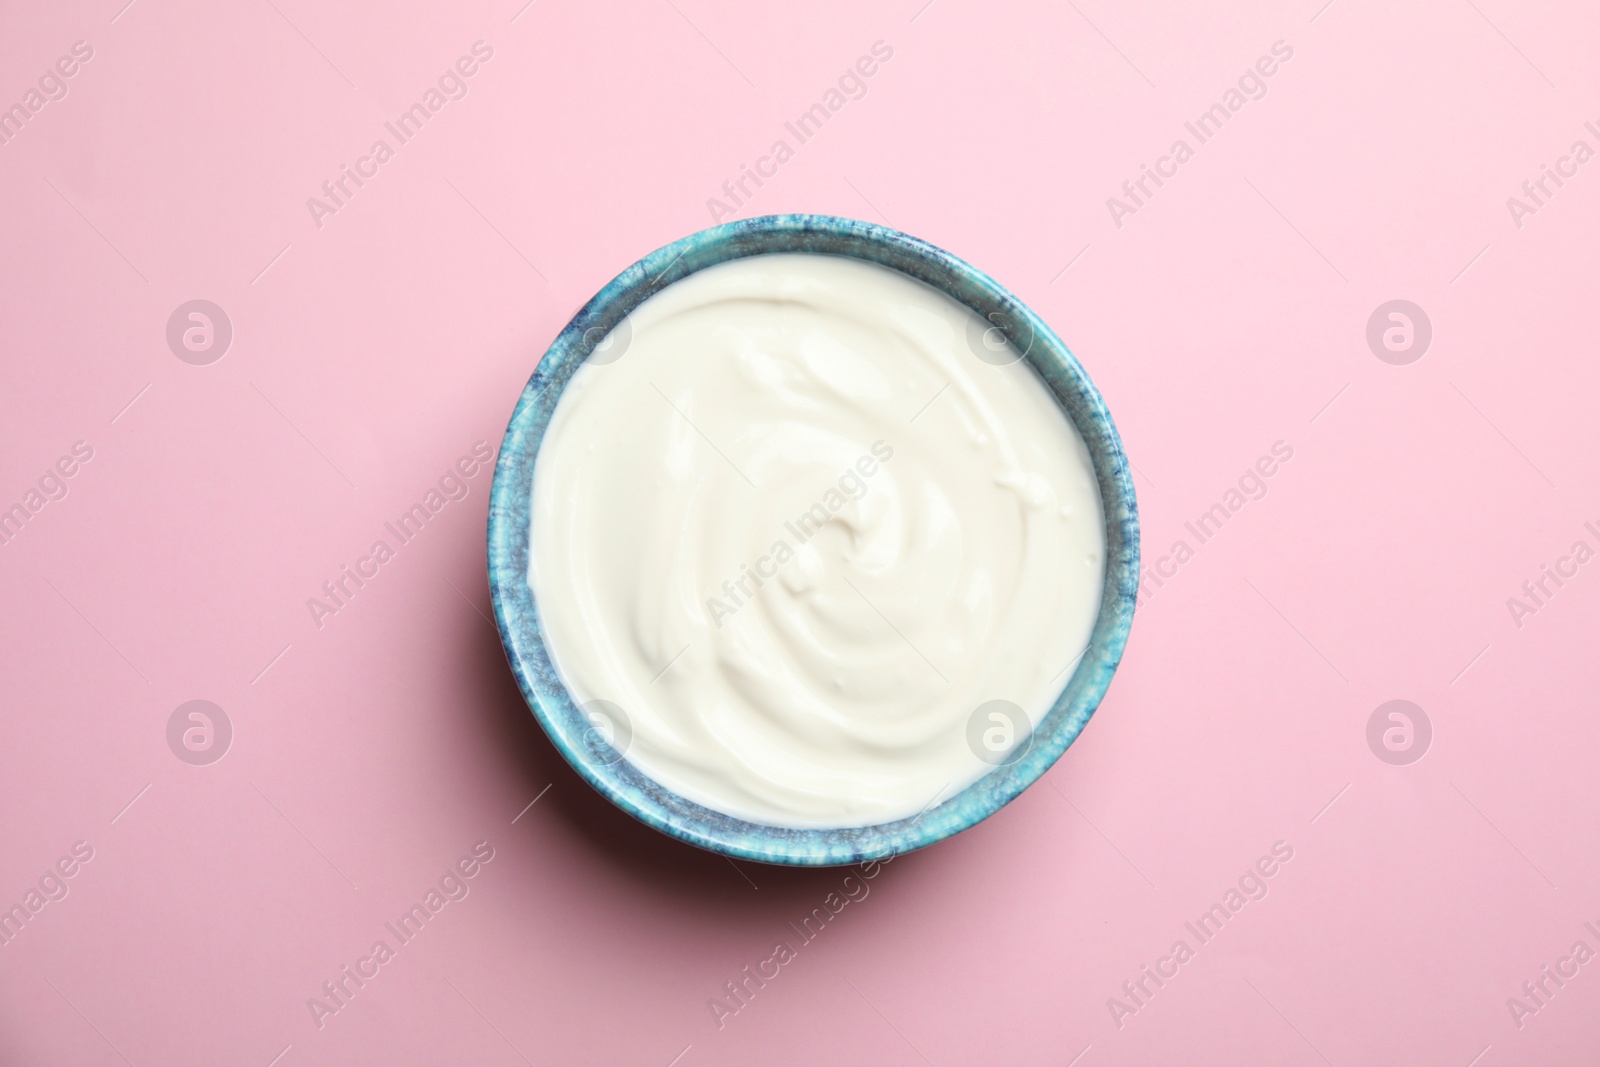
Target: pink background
1228,313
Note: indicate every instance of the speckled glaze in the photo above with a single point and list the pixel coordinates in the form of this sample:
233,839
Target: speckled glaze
517,615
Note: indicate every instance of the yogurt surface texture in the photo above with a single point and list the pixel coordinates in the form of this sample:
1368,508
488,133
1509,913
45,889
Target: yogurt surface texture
797,528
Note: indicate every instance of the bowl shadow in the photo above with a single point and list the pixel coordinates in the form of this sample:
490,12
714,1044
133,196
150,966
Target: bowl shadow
637,856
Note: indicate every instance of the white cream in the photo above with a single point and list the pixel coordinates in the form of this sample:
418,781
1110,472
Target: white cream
768,669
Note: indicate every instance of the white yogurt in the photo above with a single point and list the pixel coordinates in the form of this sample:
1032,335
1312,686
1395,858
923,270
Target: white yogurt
799,533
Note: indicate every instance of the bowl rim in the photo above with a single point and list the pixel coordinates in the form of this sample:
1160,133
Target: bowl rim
509,528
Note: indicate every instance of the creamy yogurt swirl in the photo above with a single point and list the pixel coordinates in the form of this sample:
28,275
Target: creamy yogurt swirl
795,528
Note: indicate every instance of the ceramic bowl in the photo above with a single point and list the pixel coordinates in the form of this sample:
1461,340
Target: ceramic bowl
510,511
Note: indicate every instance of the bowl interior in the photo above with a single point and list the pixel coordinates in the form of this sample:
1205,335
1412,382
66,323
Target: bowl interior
517,613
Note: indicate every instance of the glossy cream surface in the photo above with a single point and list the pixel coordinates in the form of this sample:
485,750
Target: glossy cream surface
799,533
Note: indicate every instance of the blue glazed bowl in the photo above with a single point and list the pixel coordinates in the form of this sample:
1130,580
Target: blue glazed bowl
510,511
